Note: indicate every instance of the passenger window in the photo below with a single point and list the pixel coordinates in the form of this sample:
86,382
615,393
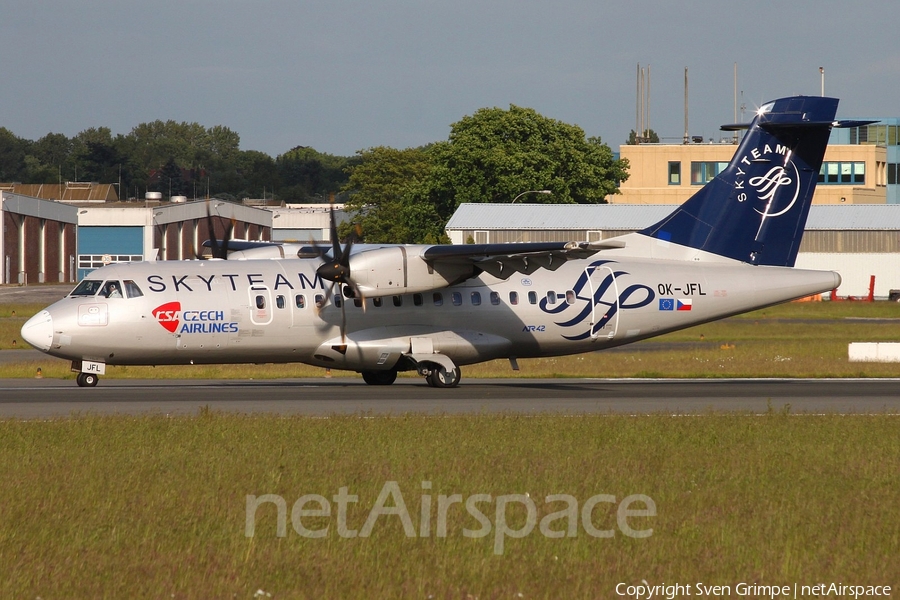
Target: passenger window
112,289
260,302
532,297
300,300
132,290
551,297
438,299
495,298
398,300
357,302
570,297
279,301
320,300
514,298
376,302
476,298
337,299
418,300
456,298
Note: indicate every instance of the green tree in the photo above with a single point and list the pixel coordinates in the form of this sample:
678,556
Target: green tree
495,155
13,150
307,175
388,197
53,153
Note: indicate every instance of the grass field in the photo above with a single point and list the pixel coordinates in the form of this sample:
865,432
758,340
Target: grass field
791,340
119,507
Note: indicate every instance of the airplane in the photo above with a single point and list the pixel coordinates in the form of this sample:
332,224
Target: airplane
382,309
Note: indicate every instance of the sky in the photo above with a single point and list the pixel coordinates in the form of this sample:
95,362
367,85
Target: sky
342,76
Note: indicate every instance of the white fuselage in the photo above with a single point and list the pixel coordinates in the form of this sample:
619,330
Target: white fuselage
259,311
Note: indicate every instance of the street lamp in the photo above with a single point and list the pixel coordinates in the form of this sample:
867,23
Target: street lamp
531,192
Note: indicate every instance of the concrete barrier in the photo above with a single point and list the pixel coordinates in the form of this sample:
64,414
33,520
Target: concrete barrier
874,352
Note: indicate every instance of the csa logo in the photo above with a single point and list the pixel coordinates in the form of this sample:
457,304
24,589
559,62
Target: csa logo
167,315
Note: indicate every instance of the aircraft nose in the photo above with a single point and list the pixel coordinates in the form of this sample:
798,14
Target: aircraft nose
38,331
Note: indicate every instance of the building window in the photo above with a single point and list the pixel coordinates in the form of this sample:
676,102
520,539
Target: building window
674,172
892,169
704,172
843,173
95,261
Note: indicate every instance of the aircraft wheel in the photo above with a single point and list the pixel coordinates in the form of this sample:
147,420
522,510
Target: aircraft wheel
87,380
442,378
379,377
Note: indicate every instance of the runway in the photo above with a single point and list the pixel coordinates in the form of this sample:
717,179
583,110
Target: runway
45,398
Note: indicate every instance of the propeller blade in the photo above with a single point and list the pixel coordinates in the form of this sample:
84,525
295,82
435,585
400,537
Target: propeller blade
335,243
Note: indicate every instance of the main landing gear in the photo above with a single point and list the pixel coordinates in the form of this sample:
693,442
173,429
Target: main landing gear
436,376
87,380
439,377
379,377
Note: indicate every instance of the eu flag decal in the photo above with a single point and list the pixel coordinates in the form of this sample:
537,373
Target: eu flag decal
666,304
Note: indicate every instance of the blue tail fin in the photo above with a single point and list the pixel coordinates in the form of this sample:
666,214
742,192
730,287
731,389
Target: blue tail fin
755,210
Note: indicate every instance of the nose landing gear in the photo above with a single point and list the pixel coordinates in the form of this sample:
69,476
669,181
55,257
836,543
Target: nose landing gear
87,380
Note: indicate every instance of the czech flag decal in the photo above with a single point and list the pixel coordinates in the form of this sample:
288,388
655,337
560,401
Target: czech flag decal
683,304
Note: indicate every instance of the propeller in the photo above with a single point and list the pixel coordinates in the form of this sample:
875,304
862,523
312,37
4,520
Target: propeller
336,269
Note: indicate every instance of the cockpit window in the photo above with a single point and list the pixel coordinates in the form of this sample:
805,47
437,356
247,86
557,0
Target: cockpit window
112,289
88,287
132,289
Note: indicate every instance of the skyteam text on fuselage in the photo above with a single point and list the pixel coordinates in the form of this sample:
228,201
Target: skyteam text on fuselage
380,309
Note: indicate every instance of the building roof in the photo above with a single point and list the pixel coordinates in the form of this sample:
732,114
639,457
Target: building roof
855,216
638,216
557,216
71,191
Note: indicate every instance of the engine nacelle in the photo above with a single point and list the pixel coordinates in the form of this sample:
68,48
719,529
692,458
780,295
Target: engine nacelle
398,270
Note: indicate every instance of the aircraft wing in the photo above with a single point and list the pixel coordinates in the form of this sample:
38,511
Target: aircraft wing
502,260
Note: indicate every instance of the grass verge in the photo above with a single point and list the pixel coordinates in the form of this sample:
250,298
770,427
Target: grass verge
156,507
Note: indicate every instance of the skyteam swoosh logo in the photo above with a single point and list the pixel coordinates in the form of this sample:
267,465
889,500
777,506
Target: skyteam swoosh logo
601,289
768,188
769,174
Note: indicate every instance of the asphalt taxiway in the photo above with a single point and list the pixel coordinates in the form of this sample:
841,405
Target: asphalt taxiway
48,398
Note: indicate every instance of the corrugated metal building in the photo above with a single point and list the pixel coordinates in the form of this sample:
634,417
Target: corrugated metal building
855,240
